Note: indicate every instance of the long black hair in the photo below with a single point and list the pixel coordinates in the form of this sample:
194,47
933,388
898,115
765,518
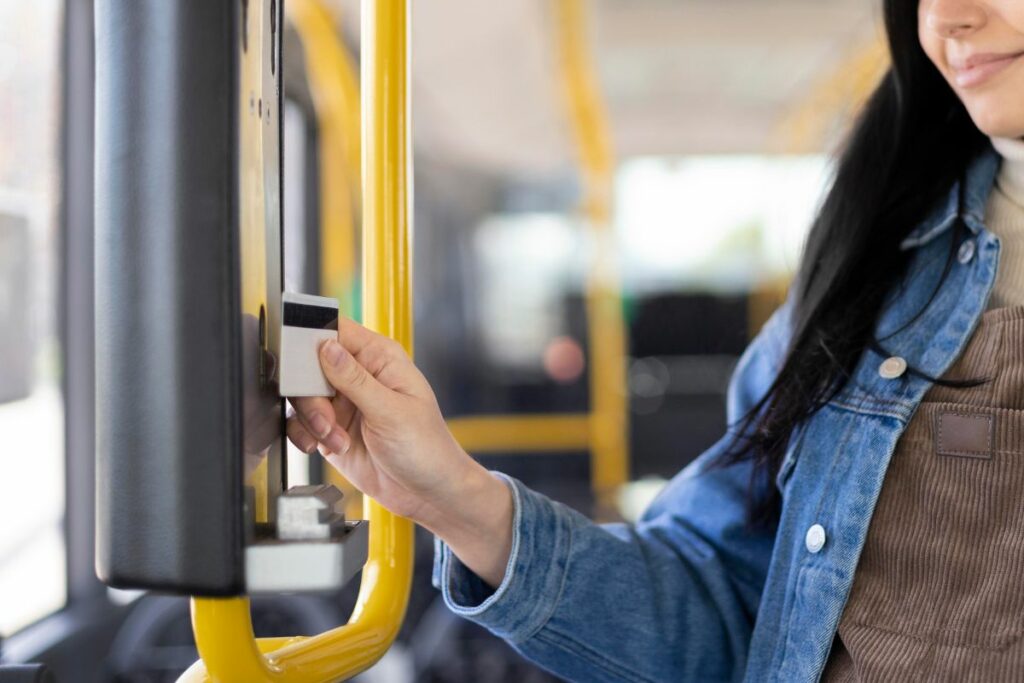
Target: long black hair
910,145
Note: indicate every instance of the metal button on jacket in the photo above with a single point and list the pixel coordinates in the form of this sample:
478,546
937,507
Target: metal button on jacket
892,368
966,252
815,539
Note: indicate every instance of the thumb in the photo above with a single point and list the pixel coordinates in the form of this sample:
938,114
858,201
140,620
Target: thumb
352,380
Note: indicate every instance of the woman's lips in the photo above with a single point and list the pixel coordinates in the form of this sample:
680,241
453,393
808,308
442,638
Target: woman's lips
977,69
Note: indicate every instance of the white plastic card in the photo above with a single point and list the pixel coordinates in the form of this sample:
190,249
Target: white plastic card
308,321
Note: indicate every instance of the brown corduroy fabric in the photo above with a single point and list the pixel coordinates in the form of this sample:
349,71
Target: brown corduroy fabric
939,589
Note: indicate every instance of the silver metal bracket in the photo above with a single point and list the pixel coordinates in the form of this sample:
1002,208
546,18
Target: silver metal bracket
310,548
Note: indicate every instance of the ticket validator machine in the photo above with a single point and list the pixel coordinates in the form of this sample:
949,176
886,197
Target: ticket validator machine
192,496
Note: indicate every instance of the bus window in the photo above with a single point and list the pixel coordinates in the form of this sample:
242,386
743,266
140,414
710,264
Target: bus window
32,548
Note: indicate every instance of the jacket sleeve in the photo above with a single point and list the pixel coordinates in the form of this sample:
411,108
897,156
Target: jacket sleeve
672,598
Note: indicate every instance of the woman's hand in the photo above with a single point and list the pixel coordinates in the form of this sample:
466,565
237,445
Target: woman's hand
384,432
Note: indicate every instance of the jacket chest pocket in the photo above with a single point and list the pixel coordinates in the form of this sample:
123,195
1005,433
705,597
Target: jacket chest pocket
944,559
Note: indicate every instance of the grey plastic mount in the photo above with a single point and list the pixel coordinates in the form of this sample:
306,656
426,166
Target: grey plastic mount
313,547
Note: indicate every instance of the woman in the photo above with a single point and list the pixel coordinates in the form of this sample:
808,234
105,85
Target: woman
862,517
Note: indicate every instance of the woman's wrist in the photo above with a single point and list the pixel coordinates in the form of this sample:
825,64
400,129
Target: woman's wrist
475,521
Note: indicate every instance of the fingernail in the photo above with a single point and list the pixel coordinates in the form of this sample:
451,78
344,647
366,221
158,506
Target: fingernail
336,444
332,352
313,450
320,425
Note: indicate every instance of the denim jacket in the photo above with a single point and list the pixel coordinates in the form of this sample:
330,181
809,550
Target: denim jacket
689,593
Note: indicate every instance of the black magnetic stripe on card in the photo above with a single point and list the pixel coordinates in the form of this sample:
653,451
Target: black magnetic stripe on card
313,317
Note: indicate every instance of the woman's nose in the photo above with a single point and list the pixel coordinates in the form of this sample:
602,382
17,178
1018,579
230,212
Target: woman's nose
954,18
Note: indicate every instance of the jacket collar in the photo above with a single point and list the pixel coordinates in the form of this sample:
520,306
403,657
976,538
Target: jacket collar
981,176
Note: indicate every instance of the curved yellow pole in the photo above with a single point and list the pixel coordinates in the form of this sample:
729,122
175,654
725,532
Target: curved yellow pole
609,443
833,99
334,84
604,431
832,103
223,627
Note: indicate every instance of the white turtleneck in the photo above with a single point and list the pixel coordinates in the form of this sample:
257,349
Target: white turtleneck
1004,216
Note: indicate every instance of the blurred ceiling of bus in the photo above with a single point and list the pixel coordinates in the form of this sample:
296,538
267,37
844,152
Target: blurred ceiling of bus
679,76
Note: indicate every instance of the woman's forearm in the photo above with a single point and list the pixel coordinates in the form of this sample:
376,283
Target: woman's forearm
476,523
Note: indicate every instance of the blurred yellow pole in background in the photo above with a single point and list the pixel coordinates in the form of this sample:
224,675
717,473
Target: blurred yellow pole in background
522,433
609,426
604,431
834,100
823,114
334,84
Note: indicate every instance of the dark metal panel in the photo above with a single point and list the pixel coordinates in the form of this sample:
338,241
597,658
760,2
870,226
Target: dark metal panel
168,337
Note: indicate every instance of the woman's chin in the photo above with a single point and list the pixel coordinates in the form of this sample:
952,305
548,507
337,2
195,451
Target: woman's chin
999,119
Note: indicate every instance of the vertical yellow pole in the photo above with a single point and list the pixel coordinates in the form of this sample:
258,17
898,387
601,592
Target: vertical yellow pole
606,328
387,225
387,268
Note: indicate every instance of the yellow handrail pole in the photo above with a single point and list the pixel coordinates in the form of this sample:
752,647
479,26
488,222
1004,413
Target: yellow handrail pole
522,433
223,627
387,271
606,327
